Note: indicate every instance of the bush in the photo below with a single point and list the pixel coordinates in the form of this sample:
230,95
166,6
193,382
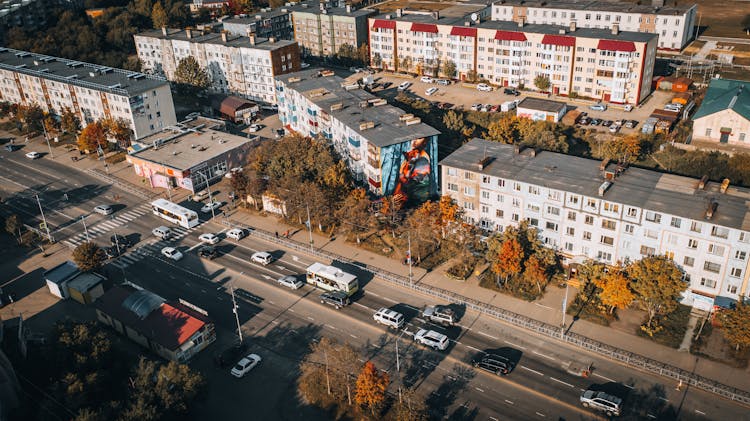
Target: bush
671,328
115,158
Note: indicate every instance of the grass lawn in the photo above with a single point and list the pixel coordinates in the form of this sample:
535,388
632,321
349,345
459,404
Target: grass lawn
673,328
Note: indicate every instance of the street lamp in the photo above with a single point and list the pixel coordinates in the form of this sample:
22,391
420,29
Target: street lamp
210,199
169,186
44,220
236,313
309,226
46,137
564,309
83,220
411,274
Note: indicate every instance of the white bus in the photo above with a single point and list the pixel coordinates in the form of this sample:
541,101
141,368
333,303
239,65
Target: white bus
174,213
331,278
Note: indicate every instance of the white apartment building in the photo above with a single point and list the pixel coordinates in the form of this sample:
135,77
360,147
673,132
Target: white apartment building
586,209
321,27
674,24
93,92
371,136
240,65
602,64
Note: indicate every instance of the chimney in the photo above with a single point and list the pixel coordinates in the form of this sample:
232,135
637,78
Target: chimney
348,8
517,148
572,27
189,33
561,31
724,186
399,13
702,183
271,40
251,36
224,37
322,5
164,31
615,29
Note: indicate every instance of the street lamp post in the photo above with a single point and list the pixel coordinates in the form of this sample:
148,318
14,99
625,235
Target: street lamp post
309,226
46,137
169,186
210,198
44,220
236,313
83,220
411,274
564,309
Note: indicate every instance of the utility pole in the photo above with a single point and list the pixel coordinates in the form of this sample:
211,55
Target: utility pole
309,226
564,309
84,227
328,379
169,185
46,137
44,220
398,372
411,274
210,198
236,314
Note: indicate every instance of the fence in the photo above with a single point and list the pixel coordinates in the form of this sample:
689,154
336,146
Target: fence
628,358
143,194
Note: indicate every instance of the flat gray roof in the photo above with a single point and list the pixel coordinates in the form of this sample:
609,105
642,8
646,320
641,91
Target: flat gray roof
604,6
86,75
199,37
646,189
313,6
533,28
388,130
542,104
256,16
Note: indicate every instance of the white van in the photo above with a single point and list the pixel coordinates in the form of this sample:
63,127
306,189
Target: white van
203,194
162,232
508,105
262,257
390,318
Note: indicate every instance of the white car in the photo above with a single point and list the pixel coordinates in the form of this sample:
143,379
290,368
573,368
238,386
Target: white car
236,234
245,365
601,401
304,65
231,172
290,281
262,257
208,207
426,79
255,127
209,238
200,196
162,232
171,253
433,339
430,91
33,155
404,86
614,128
484,87
104,209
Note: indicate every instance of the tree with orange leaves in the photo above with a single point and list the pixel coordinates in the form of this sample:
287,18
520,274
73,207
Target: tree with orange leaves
371,386
615,290
509,258
535,272
92,137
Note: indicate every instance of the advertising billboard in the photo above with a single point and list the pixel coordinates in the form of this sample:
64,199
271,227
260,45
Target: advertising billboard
409,170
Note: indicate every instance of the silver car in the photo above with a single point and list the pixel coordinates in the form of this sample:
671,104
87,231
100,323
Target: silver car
290,281
601,401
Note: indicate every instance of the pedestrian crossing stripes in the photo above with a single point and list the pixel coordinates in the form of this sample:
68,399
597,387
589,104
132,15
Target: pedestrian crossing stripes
149,248
108,225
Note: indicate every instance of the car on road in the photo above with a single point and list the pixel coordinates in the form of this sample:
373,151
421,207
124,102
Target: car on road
236,234
404,86
208,252
104,209
208,207
304,65
511,91
441,315
443,82
171,253
203,194
426,79
435,340
254,128
120,240
209,238
162,232
245,365
33,155
430,91
483,87
494,364
598,107
599,400
390,318
262,257
337,299
290,281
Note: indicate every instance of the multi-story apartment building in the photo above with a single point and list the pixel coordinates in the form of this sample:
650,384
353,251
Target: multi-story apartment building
586,209
605,64
675,24
240,65
387,150
321,29
197,5
267,23
91,91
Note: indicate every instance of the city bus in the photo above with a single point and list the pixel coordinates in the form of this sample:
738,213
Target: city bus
331,278
174,213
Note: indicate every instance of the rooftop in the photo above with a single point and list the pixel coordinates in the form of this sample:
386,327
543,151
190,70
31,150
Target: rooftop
542,104
646,189
326,91
257,16
87,75
189,143
606,6
85,281
724,94
313,6
65,271
200,37
533,28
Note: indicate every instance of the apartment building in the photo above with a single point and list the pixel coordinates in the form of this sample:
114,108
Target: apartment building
586,209
321,27
91,91
387,150
674,24
603,64
237,65
267,23
197,5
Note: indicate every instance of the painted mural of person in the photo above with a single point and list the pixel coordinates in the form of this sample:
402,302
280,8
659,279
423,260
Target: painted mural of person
414,174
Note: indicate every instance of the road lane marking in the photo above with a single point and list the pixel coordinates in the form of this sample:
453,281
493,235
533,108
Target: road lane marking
330,327
373,294
515,345
650,416
292,310
509,402
479,390
561,382
700,412
542,305
353,336
545,356
487,335
541,415
533,371
310,318
664,399
388,299
493,419
605,378
475,349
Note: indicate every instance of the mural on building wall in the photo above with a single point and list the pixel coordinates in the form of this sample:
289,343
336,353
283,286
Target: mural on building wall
409,170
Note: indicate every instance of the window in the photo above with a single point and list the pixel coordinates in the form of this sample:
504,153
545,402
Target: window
710,283
515,217
485,179
485,194
632,212
500,182
650,234
468,175
517,186
696,226
693,244
611,207
568,246
573,200
675,222
732,289
553,210
603,255
534,190
648,251
589,220
516,202
499,213
591,203
711,267
708,132
742,137
533,222
551,226
744,237
653,217
735,272
720,232
554,195
587,236
570,231
607,224
606,240
571,216
716,250
452,187
688,261
468,205
629,228
740,255
469,191
485,209
452,171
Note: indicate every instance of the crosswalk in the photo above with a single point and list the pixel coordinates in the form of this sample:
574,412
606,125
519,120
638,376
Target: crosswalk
108,225
150,248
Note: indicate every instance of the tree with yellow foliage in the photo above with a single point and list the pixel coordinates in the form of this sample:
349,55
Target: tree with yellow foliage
371,386
615,290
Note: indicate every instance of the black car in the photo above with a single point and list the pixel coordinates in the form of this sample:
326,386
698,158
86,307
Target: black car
511,91
607,123
387,85
120,240
112,252
494,364
595,122
230,355
208,252
337,299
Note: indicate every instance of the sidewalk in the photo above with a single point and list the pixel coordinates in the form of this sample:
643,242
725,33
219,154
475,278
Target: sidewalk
547,310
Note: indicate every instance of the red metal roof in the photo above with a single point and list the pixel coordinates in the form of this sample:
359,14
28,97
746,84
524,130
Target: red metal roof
424,27
463,31
510,36
174,325
384,24
612,45
560,40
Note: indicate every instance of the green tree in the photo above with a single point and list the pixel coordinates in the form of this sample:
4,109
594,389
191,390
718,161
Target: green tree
239,182
377,60
347,53
454,121
472,76
354,214
406,64
190,74
371,387
657,283
542,83
449,68
13,227
89,257
503,130
364,54
162,391
735,324
159,16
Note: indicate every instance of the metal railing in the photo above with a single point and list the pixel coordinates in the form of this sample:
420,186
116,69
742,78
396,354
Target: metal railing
552,331
143,194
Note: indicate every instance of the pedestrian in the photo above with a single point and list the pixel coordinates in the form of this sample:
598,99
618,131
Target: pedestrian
27,139
277,234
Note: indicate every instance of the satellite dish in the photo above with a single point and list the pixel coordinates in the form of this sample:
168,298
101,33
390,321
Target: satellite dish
474,17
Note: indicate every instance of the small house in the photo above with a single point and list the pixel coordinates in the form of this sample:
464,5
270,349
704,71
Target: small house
86,287
58,277
238,110
541,109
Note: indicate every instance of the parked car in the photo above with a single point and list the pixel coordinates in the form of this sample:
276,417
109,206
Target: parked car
595,121
104,209
494,108
236,234
33,155
494,364
433,339
337,299
511,91
390,318
607,123
404,86
387,85
486,108
609,404
254,128
209,238
208,252
290,281
262,257
203,194
484,87
614,128
444,105
244,365
443,82
584,121
304,65
120,240
430,91
631,124
598,107
476,107
208,207
426,79
171,253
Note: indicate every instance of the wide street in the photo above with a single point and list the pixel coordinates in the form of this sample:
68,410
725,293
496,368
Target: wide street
279,323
